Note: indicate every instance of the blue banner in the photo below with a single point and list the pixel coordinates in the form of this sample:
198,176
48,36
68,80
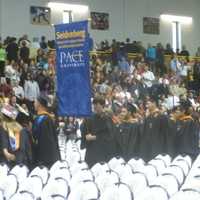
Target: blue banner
72,69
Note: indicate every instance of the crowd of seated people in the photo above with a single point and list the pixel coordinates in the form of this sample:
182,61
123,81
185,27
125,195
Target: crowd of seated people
135,90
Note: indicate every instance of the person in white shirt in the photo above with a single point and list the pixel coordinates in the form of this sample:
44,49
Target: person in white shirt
31,92
148,77
18,91
172,101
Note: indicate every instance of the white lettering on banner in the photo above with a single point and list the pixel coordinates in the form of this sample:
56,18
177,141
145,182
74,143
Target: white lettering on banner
74,58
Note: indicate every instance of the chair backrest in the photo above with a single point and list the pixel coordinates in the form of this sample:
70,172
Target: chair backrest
166,158
10,186
58,186
117,191
137,182
58,165
83,175
150,171
86,190
63,172
183,164
41,171
123,169
107,179
32,184
100,168
189,194
21,171
154,192
159,164
136,164
177,171
114,162
168,182
4,169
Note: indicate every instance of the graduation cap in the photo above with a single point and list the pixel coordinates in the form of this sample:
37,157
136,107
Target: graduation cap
131,108
9,111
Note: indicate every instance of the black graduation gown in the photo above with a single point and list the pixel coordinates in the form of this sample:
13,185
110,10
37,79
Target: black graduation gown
171,134
23,154
103,148
128,140
46,149
152,137
187,139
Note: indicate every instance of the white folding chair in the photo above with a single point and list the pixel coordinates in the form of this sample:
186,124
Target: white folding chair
63,172
166,158
153,193
189,194
168,182
42,172
159,164
78,166
9,186
86,190
4,169
33,185
124,169
21,171
150,171
58,186
183,164
83,175
60,164
99,168
137,182
106,179
23,196
136,163
177,171
114,162
117,191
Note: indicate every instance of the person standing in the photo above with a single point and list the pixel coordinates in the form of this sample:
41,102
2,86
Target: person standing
97,135
2,60
45,148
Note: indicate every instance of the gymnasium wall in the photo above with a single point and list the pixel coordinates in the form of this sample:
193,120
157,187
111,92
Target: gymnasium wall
125,19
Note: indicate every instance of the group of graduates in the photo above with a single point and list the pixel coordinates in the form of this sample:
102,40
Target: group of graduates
173,133
26,139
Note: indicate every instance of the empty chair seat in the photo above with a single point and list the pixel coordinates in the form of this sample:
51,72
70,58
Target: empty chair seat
166,158
159,164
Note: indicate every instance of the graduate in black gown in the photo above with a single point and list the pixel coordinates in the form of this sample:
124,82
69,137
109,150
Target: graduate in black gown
46,150
97,135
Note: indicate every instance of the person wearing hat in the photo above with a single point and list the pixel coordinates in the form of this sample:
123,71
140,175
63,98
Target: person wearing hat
13,138
45,150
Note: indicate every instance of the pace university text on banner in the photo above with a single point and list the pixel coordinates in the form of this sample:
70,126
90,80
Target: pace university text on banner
72,69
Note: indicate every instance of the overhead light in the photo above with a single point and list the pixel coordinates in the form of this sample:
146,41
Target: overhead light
175,18
65,6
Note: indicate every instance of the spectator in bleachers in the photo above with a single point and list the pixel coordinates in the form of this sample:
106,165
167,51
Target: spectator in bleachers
169,50
12,50
24,52
2,60
31,92
43,43
184,52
